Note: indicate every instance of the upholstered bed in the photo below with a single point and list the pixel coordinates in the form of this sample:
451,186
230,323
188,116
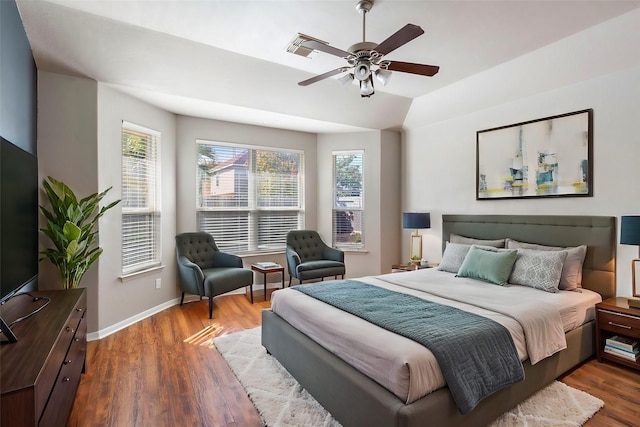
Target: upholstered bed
356,399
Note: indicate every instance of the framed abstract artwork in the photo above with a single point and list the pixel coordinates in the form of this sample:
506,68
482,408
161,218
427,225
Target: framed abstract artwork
549,157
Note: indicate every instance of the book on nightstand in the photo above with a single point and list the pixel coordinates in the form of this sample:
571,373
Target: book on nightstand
623,343
633,302
629,355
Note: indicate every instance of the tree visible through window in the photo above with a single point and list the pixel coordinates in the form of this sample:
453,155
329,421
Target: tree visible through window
249,198
348,209
140,198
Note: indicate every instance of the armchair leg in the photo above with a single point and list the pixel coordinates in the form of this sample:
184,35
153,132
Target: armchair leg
210,307
182,299
290,277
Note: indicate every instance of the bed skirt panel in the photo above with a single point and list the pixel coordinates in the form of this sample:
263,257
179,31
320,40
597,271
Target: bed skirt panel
356,400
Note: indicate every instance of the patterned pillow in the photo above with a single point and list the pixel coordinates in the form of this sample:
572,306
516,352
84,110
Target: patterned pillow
571,277
453,256
538,269
489,264
455,238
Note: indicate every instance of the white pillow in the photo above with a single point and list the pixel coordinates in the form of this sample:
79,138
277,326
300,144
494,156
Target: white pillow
456,238
454,254
538,269
571,278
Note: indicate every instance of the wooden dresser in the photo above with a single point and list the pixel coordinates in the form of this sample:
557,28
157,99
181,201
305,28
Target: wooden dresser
40,373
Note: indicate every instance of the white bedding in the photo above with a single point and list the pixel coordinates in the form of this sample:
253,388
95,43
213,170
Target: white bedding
410,370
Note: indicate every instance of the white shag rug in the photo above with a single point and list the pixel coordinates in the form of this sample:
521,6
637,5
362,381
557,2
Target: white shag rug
282,402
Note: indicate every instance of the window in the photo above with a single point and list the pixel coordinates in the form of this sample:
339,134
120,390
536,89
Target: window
248,198
140,198
348,208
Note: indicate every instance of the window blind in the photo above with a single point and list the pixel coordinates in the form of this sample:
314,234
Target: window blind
248,198
140,198
348,208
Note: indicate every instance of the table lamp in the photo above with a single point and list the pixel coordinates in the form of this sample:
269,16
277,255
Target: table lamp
416,221
630,235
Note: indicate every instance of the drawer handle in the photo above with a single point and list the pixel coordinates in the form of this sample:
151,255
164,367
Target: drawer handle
619,325
66,362
66,379
69,329
78,309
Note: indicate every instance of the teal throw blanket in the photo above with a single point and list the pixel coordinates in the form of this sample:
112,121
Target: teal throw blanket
477,356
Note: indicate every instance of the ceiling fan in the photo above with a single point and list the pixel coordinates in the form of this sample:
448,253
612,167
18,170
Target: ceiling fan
366,59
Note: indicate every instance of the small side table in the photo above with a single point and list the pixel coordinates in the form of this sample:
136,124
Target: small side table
274,268
615,317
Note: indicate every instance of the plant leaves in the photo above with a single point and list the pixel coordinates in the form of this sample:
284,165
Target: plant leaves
72,228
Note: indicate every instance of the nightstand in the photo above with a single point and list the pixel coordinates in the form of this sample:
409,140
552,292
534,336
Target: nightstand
615,317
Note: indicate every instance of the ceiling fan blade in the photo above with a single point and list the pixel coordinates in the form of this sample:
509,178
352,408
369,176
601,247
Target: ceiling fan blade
323,76
408,67
312,44
402,36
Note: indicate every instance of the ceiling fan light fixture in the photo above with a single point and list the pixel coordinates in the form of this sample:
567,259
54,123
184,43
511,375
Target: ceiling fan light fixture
383,76
366,88
362,71
346,79
364,55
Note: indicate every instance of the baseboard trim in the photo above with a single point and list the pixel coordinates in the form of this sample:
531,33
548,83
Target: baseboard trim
93,336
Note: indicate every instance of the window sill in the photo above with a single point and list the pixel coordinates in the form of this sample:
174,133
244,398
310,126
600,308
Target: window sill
355,252
138,274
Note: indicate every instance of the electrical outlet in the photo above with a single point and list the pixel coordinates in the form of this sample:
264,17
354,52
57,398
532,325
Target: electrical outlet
158,283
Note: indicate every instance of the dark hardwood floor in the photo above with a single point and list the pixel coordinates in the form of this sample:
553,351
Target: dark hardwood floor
145,375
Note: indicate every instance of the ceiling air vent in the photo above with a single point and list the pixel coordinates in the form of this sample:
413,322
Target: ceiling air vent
295,45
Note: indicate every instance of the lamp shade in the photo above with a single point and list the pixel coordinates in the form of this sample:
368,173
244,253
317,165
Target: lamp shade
630,230
416,220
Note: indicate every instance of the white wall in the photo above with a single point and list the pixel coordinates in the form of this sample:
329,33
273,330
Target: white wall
439,149
190,129
67,151
123,300
382,197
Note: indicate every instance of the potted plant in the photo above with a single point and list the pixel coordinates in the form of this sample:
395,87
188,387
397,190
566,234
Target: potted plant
415,259
71,226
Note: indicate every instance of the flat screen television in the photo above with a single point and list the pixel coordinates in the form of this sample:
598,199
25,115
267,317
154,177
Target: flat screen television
18,221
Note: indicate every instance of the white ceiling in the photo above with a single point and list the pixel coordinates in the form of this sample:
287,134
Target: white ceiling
226,60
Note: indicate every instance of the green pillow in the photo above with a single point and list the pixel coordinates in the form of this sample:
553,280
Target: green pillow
488,264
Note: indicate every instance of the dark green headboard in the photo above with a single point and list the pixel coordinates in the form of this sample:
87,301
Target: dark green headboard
597,232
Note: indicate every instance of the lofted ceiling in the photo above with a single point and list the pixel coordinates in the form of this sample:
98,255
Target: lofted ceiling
227,60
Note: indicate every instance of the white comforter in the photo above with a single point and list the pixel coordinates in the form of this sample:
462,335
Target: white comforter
537,321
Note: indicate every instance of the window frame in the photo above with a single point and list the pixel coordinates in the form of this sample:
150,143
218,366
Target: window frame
255,213
153,208
350,246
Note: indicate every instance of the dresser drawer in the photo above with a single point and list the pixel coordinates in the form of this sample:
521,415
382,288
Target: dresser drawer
52,368
620,323
64,389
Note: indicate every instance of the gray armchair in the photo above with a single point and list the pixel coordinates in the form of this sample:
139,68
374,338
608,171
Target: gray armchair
204,270
308,257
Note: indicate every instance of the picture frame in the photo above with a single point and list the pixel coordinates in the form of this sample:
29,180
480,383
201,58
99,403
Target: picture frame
547,157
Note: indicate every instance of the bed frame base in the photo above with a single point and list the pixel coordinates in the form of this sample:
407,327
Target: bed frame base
356,400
